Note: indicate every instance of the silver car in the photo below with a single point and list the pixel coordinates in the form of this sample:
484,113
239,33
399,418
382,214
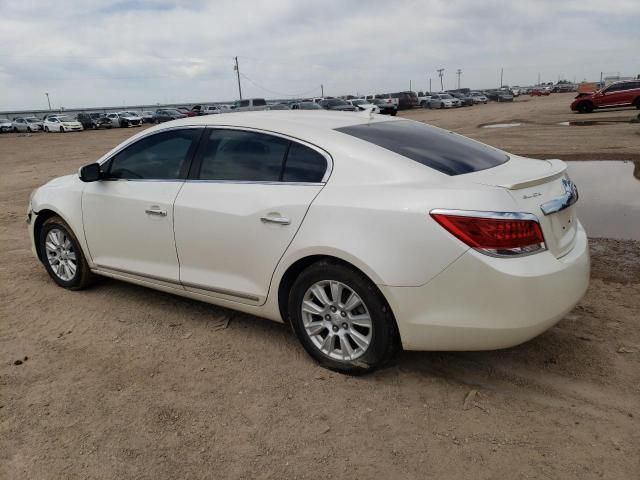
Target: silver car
443,100
26,124
478,97
5,125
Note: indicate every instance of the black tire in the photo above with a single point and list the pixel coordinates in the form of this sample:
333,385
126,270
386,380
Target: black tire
394,113
384,342
61,129
83,276
46,129
636,102
585,107
15,129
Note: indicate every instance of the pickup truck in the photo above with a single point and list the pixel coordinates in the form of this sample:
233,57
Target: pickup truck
250,104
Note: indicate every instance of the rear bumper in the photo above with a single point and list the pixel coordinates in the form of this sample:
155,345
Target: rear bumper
486,303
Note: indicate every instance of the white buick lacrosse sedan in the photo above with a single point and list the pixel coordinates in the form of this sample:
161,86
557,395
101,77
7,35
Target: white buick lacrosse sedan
366,233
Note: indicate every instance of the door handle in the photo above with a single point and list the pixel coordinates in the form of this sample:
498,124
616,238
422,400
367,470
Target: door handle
278,220
156,211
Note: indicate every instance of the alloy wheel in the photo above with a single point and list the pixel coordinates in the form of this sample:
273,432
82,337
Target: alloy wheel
336,320
61,254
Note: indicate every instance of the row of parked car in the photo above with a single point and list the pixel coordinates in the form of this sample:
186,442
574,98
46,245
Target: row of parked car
385,103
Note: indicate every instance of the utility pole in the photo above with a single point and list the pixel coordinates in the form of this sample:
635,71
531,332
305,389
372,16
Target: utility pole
429,84
459,72
48,101
501,73
322,90
237,69
409,85
441,74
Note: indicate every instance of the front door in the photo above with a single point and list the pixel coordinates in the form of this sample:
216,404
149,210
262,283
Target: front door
128,216
236,217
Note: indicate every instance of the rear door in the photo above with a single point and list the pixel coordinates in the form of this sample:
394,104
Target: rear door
246,197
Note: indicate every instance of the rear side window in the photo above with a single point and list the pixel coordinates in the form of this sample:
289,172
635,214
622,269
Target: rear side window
439,149
243,156
259,102
304,165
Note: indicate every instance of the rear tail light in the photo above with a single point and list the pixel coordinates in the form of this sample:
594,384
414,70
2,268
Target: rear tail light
498,234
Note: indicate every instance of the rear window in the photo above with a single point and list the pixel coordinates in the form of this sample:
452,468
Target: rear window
439,149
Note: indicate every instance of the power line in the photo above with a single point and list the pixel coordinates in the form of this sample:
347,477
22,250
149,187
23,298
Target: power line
302,94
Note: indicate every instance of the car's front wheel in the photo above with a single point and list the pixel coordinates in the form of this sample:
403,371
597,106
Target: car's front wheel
585,107
61,129
62,256
341,318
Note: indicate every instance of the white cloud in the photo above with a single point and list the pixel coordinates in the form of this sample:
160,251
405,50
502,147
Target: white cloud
94,52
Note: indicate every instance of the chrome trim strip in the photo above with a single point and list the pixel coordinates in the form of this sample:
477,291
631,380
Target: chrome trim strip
486,214
220,291
255,182
568,198
327,156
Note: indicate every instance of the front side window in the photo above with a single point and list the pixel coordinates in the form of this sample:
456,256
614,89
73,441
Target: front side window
441,150
162,156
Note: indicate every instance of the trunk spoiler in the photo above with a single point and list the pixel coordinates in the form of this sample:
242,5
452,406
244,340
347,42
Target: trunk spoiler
558,169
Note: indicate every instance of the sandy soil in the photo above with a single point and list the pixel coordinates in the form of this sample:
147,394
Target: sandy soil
122,382
541,135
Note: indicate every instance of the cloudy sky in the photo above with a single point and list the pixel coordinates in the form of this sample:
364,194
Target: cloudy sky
113,52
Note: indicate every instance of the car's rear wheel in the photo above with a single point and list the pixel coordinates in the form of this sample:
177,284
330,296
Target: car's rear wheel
341,318
62,256
46,129
585,107
61,129
637,103
394,113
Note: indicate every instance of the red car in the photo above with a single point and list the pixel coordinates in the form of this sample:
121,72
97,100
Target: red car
619,94
186,111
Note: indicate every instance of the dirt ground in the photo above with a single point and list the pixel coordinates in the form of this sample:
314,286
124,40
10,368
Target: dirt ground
123,382
541,134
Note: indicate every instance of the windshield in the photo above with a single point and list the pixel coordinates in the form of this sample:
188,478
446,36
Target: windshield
336,102
446,95
65,118
439,149
4,120
32,120
171,112
359,102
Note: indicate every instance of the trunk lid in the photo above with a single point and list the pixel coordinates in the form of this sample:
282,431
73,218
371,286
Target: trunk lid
533,184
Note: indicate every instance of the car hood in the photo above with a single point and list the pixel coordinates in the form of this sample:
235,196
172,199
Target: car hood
60,182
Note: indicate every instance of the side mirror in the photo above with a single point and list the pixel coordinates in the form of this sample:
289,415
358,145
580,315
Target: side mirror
90,173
